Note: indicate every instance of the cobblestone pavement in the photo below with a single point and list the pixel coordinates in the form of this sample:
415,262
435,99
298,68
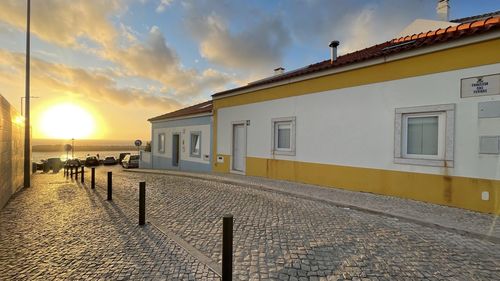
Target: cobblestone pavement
62,230
478,224
284,237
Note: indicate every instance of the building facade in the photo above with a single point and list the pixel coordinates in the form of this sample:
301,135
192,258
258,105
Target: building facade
181,140
11,151
417,117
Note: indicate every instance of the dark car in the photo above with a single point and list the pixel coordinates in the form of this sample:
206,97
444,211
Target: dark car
73,163
122,155
91,161
130,161
110,160
54,164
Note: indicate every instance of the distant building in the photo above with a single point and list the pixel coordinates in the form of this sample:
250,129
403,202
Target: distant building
181,140
417,117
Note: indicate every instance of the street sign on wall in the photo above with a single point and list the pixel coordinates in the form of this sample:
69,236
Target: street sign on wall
486,85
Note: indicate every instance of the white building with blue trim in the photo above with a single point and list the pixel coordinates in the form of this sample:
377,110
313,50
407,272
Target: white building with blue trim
181,140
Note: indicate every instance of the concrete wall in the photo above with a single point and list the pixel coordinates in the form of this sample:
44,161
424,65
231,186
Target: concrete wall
11,151
348,134
183,127
145,160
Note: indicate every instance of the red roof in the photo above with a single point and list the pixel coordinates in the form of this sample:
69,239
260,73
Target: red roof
397,45
204,107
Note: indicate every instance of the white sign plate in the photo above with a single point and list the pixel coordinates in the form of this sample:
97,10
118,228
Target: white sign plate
486,85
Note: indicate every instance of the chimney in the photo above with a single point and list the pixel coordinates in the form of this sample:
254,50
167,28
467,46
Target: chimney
279,70
333,45
443,10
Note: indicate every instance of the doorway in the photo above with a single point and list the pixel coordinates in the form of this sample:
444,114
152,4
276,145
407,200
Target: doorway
239,147
175,150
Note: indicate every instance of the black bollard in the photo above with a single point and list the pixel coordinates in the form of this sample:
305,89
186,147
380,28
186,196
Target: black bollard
110,185
227,248
92,179
83,174
142,203
71,169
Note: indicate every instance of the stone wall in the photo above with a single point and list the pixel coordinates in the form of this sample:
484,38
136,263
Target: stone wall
11,151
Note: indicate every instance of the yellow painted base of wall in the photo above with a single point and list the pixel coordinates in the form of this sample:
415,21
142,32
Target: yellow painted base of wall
461,192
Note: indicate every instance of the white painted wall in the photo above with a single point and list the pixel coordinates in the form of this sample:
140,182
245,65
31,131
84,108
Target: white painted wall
145,160
355,126
185,134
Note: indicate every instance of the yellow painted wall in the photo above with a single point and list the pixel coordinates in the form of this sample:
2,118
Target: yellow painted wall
482,53
453,191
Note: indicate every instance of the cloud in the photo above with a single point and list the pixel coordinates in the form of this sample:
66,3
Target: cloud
257,46
163,5
94,85
86,26
154,59
356,25
63,23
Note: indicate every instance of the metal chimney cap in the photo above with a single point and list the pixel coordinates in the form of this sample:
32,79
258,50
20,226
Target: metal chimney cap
334,44
279,68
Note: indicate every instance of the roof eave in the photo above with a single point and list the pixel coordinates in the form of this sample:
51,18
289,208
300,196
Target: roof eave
361,64
202,114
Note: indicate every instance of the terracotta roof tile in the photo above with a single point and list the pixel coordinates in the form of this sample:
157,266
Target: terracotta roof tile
204,107
397,45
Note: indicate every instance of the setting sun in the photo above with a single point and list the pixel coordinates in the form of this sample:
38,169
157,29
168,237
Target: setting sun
66,121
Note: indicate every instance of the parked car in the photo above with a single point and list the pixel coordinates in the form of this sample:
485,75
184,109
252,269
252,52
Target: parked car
73,163
39,166
122,155
54,164
110,160
130,161
91,161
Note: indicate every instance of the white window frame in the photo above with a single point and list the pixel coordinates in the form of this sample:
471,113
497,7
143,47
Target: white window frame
446,133
191,153
274,135
161,144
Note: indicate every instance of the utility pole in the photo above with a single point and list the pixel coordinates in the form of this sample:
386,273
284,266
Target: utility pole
27,135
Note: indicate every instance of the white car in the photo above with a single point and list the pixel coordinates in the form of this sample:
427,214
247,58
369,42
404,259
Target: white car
130,161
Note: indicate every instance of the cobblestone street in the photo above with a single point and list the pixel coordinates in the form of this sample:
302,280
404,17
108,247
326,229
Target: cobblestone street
285,237
62,230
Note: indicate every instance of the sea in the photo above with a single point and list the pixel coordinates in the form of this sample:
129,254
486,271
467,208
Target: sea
38,156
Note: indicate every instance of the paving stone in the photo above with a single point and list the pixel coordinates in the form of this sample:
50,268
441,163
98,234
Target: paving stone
58,229
277,232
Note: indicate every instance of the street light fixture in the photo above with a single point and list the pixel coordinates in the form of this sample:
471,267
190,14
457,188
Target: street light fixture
22,98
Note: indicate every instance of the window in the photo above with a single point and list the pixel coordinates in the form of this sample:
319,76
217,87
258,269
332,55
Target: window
424,135
283,136
161,143
195,146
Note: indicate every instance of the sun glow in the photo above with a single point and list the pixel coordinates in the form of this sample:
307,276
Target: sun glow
65,121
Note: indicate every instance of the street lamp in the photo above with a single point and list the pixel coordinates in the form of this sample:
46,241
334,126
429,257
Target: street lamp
27,135
22,98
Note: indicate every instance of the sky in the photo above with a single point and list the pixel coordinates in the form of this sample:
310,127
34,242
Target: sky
117,63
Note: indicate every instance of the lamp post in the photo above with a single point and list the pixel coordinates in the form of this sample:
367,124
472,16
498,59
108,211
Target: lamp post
22,98
27,140
72,148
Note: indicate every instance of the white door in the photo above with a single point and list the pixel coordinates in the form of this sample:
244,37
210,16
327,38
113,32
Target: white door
239,147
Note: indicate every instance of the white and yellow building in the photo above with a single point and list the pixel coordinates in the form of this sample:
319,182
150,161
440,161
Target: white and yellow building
417,117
